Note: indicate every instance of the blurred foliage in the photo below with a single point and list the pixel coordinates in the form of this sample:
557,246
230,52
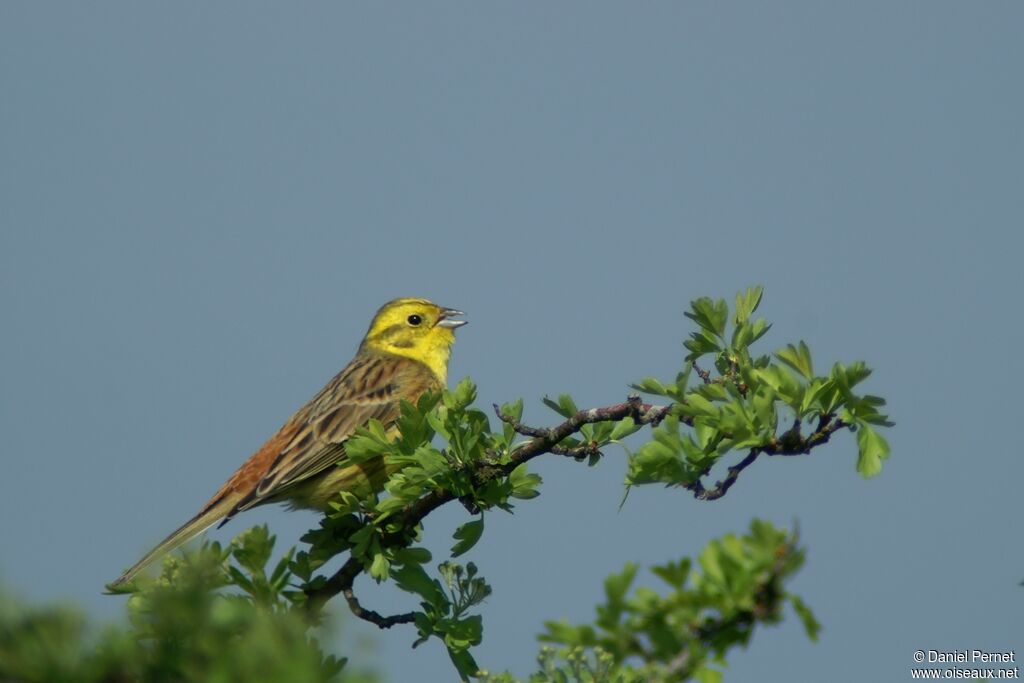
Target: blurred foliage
212,615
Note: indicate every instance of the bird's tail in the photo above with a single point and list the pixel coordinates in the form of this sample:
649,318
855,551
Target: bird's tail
216,510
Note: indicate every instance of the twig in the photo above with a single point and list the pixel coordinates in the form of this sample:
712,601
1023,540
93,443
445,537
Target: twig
705,375
342,582
722,487
826,428
519,427
578,453
789,444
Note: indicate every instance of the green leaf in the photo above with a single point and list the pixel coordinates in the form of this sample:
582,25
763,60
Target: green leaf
241,580
369,441
467,535
746,333
280,575
815,391
873,450
465,392
380,567
747,302
513,410
706,675
464,663
617,585
524,483
700,342
565,406
682,381
811,625
778,378
856,372
252,548
863,409
763,405
878,419
696,405
758,329
565,633
413,579
412,555
649,385
710,315
797,357
623,428
436,422
301,566
462,633
710,560
675,574
660,459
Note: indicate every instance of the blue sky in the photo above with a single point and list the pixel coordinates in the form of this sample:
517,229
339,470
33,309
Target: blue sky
201,208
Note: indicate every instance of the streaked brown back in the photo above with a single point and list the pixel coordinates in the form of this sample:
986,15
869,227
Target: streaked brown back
372,386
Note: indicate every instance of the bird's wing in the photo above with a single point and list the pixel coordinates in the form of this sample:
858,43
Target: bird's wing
371,387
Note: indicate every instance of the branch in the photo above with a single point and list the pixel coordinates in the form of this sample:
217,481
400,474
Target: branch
342,582
642,413
722,487
791,443
704,375
542,441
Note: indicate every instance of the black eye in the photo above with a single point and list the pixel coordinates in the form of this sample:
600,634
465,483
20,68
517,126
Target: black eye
414,319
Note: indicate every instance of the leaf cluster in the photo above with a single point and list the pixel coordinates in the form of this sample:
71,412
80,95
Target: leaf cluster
213,615
769,403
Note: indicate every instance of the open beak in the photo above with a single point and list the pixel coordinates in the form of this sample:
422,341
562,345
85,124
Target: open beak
445,320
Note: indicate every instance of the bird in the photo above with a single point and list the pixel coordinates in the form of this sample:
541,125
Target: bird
404,354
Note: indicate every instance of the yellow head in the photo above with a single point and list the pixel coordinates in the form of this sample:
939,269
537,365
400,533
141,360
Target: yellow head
415,328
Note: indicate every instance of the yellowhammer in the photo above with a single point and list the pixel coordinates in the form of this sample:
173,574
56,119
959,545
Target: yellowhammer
403,355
